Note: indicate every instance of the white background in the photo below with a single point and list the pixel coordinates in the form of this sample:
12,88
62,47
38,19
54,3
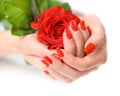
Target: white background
19,79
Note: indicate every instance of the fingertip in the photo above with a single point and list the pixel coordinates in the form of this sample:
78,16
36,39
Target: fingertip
60,52
68,33
89,48
46,72
69,44
45,63
89,29
74,26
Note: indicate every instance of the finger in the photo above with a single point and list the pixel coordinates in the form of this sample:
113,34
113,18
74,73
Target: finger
84,26
96,40
68,41
37,62
85,30
85,63
59,76
65,70
84,73
56,64
49,75
78,37
49,61
63,73
97,57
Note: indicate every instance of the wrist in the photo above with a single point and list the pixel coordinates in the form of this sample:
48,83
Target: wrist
14,42
8,43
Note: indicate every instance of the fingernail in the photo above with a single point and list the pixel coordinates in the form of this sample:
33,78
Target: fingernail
59,52
90,47
89,30
45,63
83,27
68,33
48,59
74,27
46,72
56,56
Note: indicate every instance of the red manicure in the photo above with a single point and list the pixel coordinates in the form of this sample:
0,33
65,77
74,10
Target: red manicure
48,59
90,47
89,30
45,63
46,72
59,52
68,33
74,27
83,27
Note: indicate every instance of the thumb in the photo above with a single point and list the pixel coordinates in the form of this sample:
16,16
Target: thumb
96,40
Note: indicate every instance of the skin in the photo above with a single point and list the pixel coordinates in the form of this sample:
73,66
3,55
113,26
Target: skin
75,63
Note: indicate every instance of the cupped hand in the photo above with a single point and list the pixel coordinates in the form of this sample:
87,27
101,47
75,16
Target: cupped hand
85,50
94,48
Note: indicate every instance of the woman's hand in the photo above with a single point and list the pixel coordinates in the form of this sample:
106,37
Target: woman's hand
28,46
75,64
33,51
95,47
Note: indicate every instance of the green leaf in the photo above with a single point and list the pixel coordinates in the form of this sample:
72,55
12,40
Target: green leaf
43,4
18,13
34,8
6,24
21,32
66,6
1,9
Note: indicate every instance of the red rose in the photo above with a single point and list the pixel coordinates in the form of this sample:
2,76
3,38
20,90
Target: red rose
52,24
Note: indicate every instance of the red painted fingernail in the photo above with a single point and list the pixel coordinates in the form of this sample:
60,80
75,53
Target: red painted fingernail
89,30
48,59
59,52
46,72
68,33
74,27
83,27
56,56
90,47
45,63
